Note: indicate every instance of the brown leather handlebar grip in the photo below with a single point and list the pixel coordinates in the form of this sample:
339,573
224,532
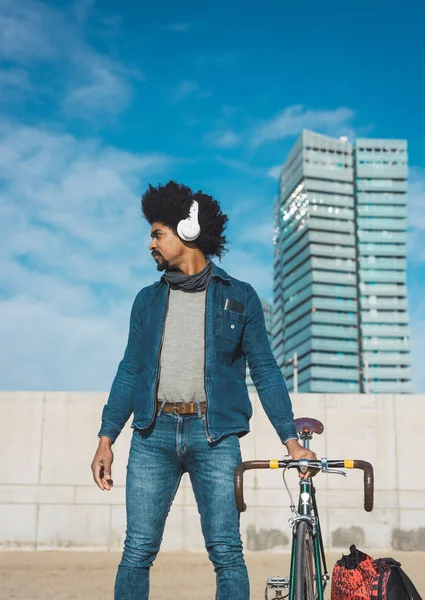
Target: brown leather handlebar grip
366,467
368,481
238,479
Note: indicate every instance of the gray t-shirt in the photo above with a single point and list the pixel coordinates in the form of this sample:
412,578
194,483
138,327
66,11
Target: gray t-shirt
182,357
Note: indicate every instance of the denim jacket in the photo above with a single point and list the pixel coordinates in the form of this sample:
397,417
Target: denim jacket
231,338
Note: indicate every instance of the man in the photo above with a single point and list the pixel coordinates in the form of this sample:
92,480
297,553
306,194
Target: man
183,377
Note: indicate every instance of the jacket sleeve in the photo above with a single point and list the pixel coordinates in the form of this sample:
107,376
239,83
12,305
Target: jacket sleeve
119,407
265,373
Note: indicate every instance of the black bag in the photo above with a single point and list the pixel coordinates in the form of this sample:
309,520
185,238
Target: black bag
357,576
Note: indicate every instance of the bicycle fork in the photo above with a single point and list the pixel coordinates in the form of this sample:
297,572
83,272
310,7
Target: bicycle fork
307,512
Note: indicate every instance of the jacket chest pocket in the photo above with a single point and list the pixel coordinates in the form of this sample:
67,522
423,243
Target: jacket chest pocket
229,325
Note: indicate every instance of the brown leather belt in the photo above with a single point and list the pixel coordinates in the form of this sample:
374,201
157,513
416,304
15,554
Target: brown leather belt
182,408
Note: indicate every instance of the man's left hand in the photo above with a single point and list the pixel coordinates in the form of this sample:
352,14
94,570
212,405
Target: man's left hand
297,451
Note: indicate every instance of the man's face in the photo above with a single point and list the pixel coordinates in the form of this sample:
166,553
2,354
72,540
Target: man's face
166,247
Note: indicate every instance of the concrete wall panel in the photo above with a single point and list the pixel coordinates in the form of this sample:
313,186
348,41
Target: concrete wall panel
72,526
18,524
21,432
48,498
410,418
118,525
69,437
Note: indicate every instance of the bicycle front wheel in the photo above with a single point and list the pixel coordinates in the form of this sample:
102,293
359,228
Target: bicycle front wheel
304,572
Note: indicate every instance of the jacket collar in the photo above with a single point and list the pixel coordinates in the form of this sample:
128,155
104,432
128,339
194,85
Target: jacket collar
217,272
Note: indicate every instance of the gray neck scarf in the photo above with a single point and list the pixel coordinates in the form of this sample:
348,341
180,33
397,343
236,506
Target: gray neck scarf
190,283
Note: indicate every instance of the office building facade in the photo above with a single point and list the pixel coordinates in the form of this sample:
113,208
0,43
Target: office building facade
340,299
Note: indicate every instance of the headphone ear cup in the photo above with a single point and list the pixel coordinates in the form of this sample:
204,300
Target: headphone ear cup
189,229
188,232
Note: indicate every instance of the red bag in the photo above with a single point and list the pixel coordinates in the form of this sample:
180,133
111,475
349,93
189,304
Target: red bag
357,576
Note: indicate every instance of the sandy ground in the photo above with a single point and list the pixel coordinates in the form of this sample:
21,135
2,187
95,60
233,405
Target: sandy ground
181,576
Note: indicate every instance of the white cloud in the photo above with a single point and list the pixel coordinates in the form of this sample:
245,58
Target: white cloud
288,123
244,167
250,230
24,26
87,82
185,89
294,119
238,165
188,89
222,139
74,253
13,81
102,88
82,9
47,349
274,172
258,233
252,267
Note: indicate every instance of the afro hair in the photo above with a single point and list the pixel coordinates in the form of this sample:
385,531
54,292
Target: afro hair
168,204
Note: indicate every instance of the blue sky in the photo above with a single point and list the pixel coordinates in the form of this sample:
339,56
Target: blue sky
98,99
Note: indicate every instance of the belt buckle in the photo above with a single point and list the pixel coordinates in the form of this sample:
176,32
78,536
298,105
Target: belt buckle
176,408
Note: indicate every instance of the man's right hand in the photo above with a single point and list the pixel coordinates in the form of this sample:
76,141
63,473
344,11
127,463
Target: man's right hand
101,464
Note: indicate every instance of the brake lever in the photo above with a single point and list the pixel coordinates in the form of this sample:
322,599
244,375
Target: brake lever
325,468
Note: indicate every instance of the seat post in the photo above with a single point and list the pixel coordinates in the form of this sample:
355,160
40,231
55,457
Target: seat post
305,427
305,437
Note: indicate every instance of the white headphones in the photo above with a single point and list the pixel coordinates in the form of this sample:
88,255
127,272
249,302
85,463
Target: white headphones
189,229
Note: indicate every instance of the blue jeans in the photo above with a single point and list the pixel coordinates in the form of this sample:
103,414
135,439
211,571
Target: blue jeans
159,456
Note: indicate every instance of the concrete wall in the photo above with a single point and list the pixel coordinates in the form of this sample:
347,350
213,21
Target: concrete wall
48,499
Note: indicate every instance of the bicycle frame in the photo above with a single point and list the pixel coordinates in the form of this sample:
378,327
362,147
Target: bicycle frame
307,511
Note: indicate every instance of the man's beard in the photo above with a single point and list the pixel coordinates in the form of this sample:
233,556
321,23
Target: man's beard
161,263
164,265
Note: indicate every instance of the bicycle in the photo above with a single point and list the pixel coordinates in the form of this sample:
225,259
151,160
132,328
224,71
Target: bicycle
308,571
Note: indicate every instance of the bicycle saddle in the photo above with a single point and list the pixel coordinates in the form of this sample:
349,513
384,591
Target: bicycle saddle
308,425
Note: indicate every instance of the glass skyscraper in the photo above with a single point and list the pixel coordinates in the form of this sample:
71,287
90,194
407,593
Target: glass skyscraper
340,299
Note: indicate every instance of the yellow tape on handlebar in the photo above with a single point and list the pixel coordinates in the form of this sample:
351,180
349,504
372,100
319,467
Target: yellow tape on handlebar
274,464
348,464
